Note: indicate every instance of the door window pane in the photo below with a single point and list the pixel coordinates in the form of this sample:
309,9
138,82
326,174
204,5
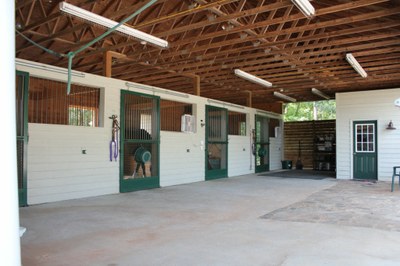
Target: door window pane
365,138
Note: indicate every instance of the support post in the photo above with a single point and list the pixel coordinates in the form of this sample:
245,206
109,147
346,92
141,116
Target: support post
108,61
107,64
10,253
196,81
249,100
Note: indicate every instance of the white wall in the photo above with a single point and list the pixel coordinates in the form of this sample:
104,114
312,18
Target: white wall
240,158
275,149
57,169
368,105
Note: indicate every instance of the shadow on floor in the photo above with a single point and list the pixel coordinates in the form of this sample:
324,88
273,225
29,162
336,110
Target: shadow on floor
302,174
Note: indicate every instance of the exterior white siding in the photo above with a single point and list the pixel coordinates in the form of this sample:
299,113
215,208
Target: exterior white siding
368,105
58,170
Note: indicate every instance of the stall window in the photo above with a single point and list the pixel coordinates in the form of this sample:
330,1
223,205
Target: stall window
49,103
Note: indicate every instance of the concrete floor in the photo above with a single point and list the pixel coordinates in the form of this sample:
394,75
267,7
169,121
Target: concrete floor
246,220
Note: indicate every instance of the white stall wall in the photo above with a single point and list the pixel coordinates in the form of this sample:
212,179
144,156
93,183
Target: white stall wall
275,149
368,105
58,170
240,159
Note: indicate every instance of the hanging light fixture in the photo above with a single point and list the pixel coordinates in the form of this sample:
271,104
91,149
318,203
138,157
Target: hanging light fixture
252,78
108,23
357,67
320,94
284,97
305,7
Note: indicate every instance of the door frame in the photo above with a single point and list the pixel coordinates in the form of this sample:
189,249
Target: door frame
215,173
353,145
263,167
23,192
142,183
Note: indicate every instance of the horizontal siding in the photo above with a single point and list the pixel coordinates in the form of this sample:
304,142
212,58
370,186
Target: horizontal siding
275,147
239,155
177,165
305,132
57,169
368,105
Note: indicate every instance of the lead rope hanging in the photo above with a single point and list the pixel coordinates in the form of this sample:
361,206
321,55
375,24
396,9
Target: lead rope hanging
114,138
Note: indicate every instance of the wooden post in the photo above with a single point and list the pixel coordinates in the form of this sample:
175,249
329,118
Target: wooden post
249,100
196,84
107,62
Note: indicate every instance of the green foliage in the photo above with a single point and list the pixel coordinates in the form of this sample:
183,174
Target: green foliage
307,111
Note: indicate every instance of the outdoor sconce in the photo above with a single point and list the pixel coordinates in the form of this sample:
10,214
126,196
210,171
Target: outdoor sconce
390,125
202,124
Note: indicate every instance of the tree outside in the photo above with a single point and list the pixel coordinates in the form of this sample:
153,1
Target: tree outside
307,111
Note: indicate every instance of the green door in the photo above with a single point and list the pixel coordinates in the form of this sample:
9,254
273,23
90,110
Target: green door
216,142
21,110
140,141
365,150
261,144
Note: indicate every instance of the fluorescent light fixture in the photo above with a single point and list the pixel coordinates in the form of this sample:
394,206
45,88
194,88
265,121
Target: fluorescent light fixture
357,67
108,23
156,89
284,97
320,93
305,7
252,78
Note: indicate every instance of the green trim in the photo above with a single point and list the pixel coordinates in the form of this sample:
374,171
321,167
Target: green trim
216,173
261,144
23,192
129,185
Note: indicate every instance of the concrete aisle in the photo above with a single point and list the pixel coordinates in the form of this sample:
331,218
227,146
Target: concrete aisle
247,220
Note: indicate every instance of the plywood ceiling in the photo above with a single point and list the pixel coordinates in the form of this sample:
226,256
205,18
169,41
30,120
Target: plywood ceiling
208,39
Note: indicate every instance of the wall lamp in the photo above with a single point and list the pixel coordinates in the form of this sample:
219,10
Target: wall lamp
108,23
357,67
305,7
284,97
390,125
252,78
320,94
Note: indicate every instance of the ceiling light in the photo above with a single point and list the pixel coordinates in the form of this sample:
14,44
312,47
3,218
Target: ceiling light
357,67
320,93
284,97
108,23
305,7
252,78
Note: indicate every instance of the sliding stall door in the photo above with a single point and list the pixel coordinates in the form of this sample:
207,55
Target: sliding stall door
262,144
216,142
140,139
21,105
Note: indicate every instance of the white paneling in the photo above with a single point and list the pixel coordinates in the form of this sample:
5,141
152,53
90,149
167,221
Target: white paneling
239,155
369,105
275,147
181,159
57,168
